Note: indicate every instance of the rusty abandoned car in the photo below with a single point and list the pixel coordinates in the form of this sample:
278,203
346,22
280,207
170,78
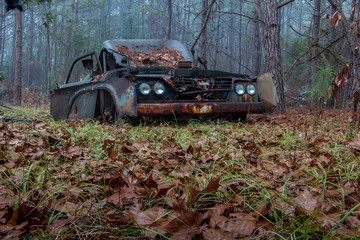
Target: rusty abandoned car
151,78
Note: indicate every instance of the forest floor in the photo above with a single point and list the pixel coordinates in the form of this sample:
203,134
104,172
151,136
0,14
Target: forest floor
291,176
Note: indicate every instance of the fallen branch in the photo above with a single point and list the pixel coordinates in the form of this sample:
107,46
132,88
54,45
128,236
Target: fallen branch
6,119
2,105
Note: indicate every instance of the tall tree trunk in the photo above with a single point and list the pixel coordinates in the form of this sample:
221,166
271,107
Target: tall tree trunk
11,76
63,50
2,33
230,43
188,22
261,24
169,19
103,16
183,20
48,58
56,52
315,42
240,37
222,42
288,24
18,58
31,49
354,77
130,22
71,24
257,46
333,33
203,37
354,57
217,41
273,51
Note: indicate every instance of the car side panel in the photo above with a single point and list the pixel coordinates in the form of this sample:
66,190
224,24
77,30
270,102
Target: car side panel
122,91
84,106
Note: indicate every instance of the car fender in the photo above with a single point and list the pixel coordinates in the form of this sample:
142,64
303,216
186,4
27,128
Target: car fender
267,91
121,90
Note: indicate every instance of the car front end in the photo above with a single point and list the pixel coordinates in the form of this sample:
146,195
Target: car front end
185,93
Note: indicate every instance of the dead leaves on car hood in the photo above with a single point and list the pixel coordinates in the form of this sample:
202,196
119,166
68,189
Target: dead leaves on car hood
166,57
223,183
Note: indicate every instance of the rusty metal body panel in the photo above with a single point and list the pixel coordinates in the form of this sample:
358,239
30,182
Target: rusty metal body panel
115,88
63,102
186,110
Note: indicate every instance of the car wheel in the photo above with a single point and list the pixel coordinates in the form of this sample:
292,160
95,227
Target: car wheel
116,119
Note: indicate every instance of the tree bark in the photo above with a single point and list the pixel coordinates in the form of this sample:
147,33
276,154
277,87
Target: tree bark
315,41
231,39
272,50
2,33
31,49
240,37
56,52
261,24
289,22
217,41
183,20
48,58
130,22
18,58
203,37
11,76
169,19
257,46
354,77
103,16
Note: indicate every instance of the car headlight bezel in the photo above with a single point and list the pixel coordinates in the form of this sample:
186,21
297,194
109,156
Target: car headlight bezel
251,89
159,88
144,88
240,89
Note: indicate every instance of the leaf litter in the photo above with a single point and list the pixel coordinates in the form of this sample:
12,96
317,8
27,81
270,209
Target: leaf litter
292,175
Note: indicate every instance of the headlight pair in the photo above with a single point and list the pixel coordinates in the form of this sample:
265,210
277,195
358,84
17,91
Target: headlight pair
145,88
240,89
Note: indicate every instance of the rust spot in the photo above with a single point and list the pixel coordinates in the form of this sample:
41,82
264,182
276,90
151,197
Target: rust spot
167,79
126,99
246,98
189,109
201,109
75,113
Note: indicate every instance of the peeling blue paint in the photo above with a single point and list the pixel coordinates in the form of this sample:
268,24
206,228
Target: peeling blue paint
127,97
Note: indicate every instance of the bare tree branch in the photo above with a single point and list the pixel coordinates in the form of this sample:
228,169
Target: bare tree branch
240,14
205,23
295,63
299,33
284,4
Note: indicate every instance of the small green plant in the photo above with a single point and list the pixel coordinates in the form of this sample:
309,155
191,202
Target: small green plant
2,76
215,172
324,76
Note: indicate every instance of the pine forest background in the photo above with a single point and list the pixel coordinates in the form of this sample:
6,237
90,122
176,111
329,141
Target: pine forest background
57,32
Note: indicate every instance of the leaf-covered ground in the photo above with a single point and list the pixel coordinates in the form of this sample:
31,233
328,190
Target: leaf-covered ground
292,176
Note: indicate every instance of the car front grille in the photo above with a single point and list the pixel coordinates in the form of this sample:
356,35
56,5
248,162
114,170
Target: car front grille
202,84
203,88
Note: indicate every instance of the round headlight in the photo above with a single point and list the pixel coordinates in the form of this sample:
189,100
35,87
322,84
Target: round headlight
239,89
145,89
250,89
159,88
